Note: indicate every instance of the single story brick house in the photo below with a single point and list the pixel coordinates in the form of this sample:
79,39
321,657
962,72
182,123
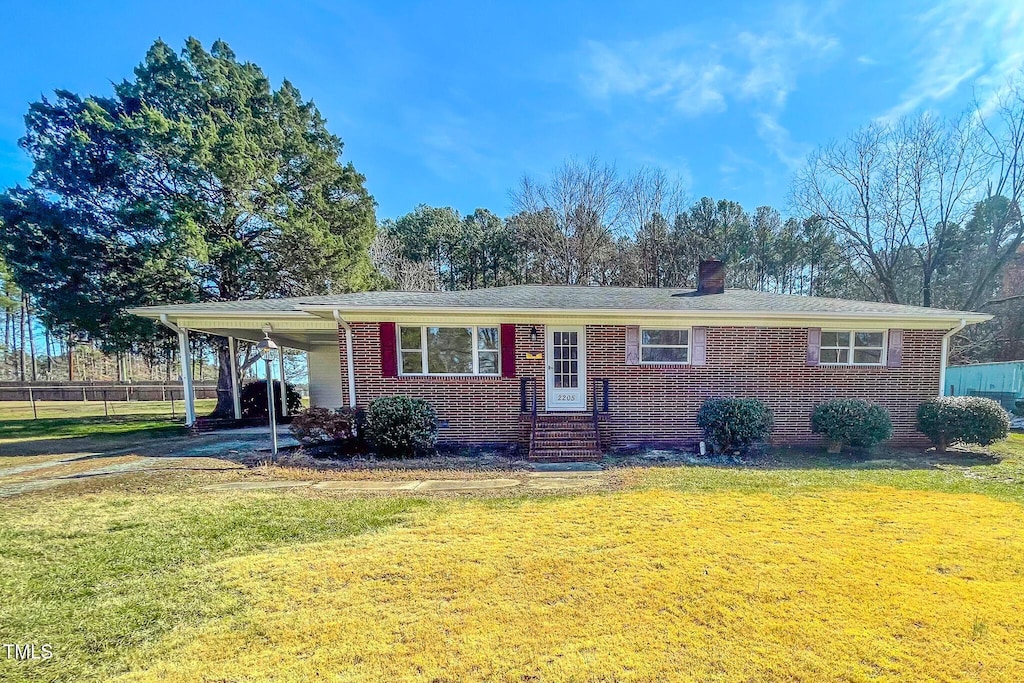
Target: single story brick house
567,371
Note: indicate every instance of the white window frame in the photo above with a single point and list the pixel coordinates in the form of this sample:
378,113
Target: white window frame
852,347
688,346
425,363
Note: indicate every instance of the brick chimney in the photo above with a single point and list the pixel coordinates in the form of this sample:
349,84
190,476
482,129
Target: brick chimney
711,277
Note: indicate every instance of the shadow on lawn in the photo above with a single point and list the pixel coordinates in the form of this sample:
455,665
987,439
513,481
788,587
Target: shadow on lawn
807,458
880,458
70,435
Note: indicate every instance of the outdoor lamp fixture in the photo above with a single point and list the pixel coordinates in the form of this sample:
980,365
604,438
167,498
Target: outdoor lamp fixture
267,349
533,333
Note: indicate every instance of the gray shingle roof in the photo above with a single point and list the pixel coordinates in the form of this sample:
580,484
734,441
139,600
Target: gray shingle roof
559,297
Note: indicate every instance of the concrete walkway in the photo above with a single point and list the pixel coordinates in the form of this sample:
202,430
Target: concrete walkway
542,481
23,483
205,452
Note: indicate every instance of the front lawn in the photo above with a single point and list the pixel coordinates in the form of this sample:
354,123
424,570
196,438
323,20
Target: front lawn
100,575
651,586
70,419
808,569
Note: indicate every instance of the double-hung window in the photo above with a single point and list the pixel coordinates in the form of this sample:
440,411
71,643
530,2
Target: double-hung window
852,347
436,350
664,346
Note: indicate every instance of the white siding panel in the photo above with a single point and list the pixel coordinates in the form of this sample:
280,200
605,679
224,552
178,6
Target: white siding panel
325,382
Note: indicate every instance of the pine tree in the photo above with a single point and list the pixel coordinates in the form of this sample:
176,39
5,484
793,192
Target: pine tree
195,181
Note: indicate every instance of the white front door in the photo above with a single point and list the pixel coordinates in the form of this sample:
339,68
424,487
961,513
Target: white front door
566,372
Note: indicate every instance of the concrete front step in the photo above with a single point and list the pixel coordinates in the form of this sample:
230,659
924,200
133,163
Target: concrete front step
593,457
566,450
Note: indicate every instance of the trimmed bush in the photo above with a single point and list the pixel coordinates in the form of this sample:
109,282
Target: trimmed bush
326,432
399,426
254,399
962,419
851,422
732,424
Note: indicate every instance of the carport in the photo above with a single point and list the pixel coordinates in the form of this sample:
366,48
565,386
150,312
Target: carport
281,320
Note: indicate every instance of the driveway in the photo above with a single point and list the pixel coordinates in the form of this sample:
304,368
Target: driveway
74,459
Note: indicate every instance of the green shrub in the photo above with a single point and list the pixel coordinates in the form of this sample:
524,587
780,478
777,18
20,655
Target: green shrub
326,432
401,426
731,424
254,399
851,422
962,419
1018,407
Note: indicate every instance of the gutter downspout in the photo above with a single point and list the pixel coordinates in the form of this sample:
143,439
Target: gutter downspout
186,369
945,355
349,365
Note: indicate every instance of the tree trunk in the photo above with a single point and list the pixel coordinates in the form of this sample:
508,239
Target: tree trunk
31,338
21,345
49,352
8,333
225,404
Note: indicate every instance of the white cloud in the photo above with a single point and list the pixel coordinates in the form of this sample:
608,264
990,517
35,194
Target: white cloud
961,41
700,72
778,139
656,71
706,70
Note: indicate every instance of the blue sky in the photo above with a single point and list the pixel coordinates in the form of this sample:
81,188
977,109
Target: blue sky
451,103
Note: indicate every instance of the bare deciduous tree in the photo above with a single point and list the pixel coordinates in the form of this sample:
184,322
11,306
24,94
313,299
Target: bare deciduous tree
903,200
583,199
386,253
650,200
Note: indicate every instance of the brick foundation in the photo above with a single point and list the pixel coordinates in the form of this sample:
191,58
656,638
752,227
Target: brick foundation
651,403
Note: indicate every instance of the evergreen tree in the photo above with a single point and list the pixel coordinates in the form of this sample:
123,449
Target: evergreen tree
195,181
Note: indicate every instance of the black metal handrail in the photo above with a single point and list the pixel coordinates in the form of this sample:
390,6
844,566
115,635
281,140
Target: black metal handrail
528,404
600,395
599,404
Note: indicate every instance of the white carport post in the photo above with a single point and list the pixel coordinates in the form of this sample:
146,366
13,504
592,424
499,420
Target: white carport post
185,357
349,364
186,378
284,391
236,395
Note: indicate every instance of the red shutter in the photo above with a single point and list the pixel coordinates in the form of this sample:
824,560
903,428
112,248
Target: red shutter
699,346
388,350
814,346
894,358
632,345
508,350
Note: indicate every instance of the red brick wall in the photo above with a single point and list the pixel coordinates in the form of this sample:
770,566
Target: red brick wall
660,403
477,409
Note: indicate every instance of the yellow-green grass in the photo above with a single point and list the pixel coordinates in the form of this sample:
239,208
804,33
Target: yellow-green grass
99,575
999,472
22,410
14,460
814,569
67,468
658,585
68,419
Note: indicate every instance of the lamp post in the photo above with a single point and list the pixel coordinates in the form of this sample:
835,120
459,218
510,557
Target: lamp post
267,348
